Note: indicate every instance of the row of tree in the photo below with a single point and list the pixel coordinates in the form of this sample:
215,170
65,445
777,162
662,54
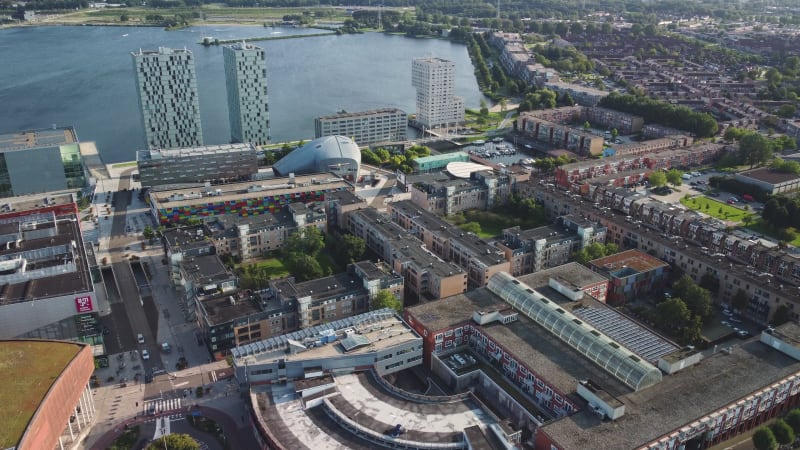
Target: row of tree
660,178
656,111
400,161
593,251
781,432
754,148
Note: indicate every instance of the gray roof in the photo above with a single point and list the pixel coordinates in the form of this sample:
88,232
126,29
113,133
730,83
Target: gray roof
308,158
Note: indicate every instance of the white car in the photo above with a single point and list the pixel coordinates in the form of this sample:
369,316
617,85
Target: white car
145,355
140,338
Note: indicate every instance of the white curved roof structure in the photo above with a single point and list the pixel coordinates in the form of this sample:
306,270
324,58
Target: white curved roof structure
464,169
337,154
607,353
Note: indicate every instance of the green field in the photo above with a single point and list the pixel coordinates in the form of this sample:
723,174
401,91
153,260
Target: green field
272,267
716,209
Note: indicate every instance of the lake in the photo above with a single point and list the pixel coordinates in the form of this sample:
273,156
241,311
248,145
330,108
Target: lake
83,76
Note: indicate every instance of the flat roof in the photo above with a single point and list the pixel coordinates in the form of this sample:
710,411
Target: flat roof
28,139
382,328
547,232
158,154
331,286
205,269
190,236
175,198
29,368
768,175
551,358
441,157
632,259
219,308
678,400
457,309
370,112
572,273
54,266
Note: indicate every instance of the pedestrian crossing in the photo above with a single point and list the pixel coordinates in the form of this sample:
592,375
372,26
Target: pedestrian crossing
161,405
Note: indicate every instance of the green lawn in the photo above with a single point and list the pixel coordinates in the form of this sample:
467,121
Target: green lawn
273,267
715,208
761,227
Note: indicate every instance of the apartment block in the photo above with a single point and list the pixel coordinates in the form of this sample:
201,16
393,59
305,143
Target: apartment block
632,274
443,195
434,81
246,83
478,258
167,87
218,163
371,127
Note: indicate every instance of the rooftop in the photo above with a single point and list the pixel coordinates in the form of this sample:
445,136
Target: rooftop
220,309
205,269
629,259
441,157
42,256
24,140
320,288
546,232
345,115
382,328
157,154
570,274
175,198
183,238
29,369
717,381
457,309
769,175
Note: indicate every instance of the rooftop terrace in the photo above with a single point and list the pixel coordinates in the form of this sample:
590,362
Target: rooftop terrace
23,140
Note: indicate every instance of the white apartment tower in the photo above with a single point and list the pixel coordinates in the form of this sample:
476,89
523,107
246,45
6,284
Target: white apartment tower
246,81
167,86
434,79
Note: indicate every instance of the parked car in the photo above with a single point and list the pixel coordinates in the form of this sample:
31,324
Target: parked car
140,338
145,355
747,198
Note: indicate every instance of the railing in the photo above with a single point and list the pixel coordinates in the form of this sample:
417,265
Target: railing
419,398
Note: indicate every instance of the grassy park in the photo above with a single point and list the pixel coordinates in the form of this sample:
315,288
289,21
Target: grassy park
716,209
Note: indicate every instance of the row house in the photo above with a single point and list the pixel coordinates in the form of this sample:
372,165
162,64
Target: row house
696,244
561,136
478,258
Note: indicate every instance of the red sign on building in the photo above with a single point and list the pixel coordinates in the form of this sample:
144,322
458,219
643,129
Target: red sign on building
83,304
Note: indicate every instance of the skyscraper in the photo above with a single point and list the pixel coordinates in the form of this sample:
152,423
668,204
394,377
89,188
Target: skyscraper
167,86
246,82
434,79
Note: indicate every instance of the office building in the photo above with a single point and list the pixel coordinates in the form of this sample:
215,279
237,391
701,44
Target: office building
232,162
434,80
246,82
167,86
47,272
376,126
36,161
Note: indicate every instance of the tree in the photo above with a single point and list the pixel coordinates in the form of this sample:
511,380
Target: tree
657,178
674,177
781,315
123,18
793,419
308,241
503,104
148,233
764,439
353,247
786,111
697,299
471,227
672,315
754,149
614,133
385,299
303,266
174,442
783,432
739,300
484,109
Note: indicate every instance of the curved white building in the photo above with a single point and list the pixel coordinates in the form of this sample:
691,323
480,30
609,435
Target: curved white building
330,154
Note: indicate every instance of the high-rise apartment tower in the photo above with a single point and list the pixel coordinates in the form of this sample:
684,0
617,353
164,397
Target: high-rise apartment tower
434,79
246,81
167,87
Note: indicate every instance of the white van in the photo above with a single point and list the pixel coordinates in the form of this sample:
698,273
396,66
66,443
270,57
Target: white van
686,176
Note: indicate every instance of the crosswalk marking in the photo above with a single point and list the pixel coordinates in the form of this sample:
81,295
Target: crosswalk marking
161,405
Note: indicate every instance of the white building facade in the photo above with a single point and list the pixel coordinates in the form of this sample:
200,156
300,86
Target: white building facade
434,80
366,127
167,85
246,82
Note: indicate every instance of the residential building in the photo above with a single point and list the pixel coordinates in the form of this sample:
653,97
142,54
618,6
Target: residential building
632,274
560,136
53,405
47,271
224,163
479,258
769,180
246,83
444,195
337,155
371,127
38,161
425,275
582,95
434,81
548,246
185,242
174,206
167,87
378,277
339,205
